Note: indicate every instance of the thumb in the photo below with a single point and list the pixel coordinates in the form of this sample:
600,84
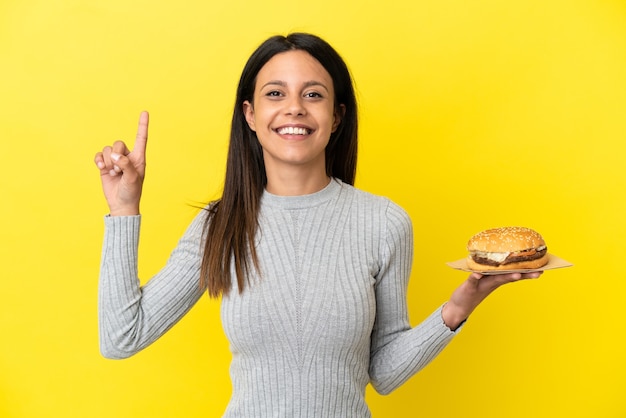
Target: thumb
123,164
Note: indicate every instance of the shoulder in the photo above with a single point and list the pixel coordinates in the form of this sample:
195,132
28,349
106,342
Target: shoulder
380,204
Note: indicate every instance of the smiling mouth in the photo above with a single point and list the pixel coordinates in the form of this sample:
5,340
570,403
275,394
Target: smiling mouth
292,130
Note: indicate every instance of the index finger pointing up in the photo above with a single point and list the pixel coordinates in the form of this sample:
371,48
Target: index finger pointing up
142,134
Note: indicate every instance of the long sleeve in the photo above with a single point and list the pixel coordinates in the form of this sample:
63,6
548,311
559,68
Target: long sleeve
325,314
131,317
397,350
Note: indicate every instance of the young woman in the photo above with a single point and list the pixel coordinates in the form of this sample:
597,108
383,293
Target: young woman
312,272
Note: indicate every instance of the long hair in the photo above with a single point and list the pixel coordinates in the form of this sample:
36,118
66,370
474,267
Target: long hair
232,220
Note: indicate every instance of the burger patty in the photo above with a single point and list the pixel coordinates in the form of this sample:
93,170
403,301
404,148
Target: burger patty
510,259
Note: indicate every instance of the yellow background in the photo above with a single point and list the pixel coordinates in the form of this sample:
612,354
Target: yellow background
473,114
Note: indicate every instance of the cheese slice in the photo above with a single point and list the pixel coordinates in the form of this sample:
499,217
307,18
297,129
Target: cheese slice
497,257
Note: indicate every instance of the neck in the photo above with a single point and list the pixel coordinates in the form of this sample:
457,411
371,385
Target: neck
296,182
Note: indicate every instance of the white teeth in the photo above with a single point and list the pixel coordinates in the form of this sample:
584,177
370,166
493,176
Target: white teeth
291,130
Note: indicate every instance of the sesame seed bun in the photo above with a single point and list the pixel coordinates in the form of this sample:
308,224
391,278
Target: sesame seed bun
507,248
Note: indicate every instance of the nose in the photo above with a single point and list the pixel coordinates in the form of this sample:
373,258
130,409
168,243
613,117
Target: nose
294,106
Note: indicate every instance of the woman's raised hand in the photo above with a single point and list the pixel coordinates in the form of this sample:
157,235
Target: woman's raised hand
122,172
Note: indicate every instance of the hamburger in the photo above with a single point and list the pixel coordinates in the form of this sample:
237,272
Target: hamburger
507,248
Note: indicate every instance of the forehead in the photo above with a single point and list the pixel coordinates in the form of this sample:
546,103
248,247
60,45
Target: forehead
293,67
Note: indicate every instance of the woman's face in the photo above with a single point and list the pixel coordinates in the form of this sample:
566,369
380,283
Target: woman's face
293,112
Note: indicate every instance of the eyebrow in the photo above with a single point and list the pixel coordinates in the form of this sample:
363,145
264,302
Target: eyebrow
284,84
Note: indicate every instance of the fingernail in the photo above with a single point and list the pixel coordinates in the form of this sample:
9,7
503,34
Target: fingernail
115,156
112,173
117,169
100,165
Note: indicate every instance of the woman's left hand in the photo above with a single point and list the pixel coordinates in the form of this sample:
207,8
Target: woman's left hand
473,291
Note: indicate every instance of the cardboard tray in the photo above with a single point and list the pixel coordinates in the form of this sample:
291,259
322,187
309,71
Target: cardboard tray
554,262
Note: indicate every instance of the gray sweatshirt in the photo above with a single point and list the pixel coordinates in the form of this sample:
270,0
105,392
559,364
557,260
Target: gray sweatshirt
325,315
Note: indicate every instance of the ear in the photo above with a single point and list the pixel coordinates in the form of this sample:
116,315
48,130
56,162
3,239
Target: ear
248,112
338,116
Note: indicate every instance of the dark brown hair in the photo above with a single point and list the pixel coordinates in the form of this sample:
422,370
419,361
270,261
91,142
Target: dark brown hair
233,219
